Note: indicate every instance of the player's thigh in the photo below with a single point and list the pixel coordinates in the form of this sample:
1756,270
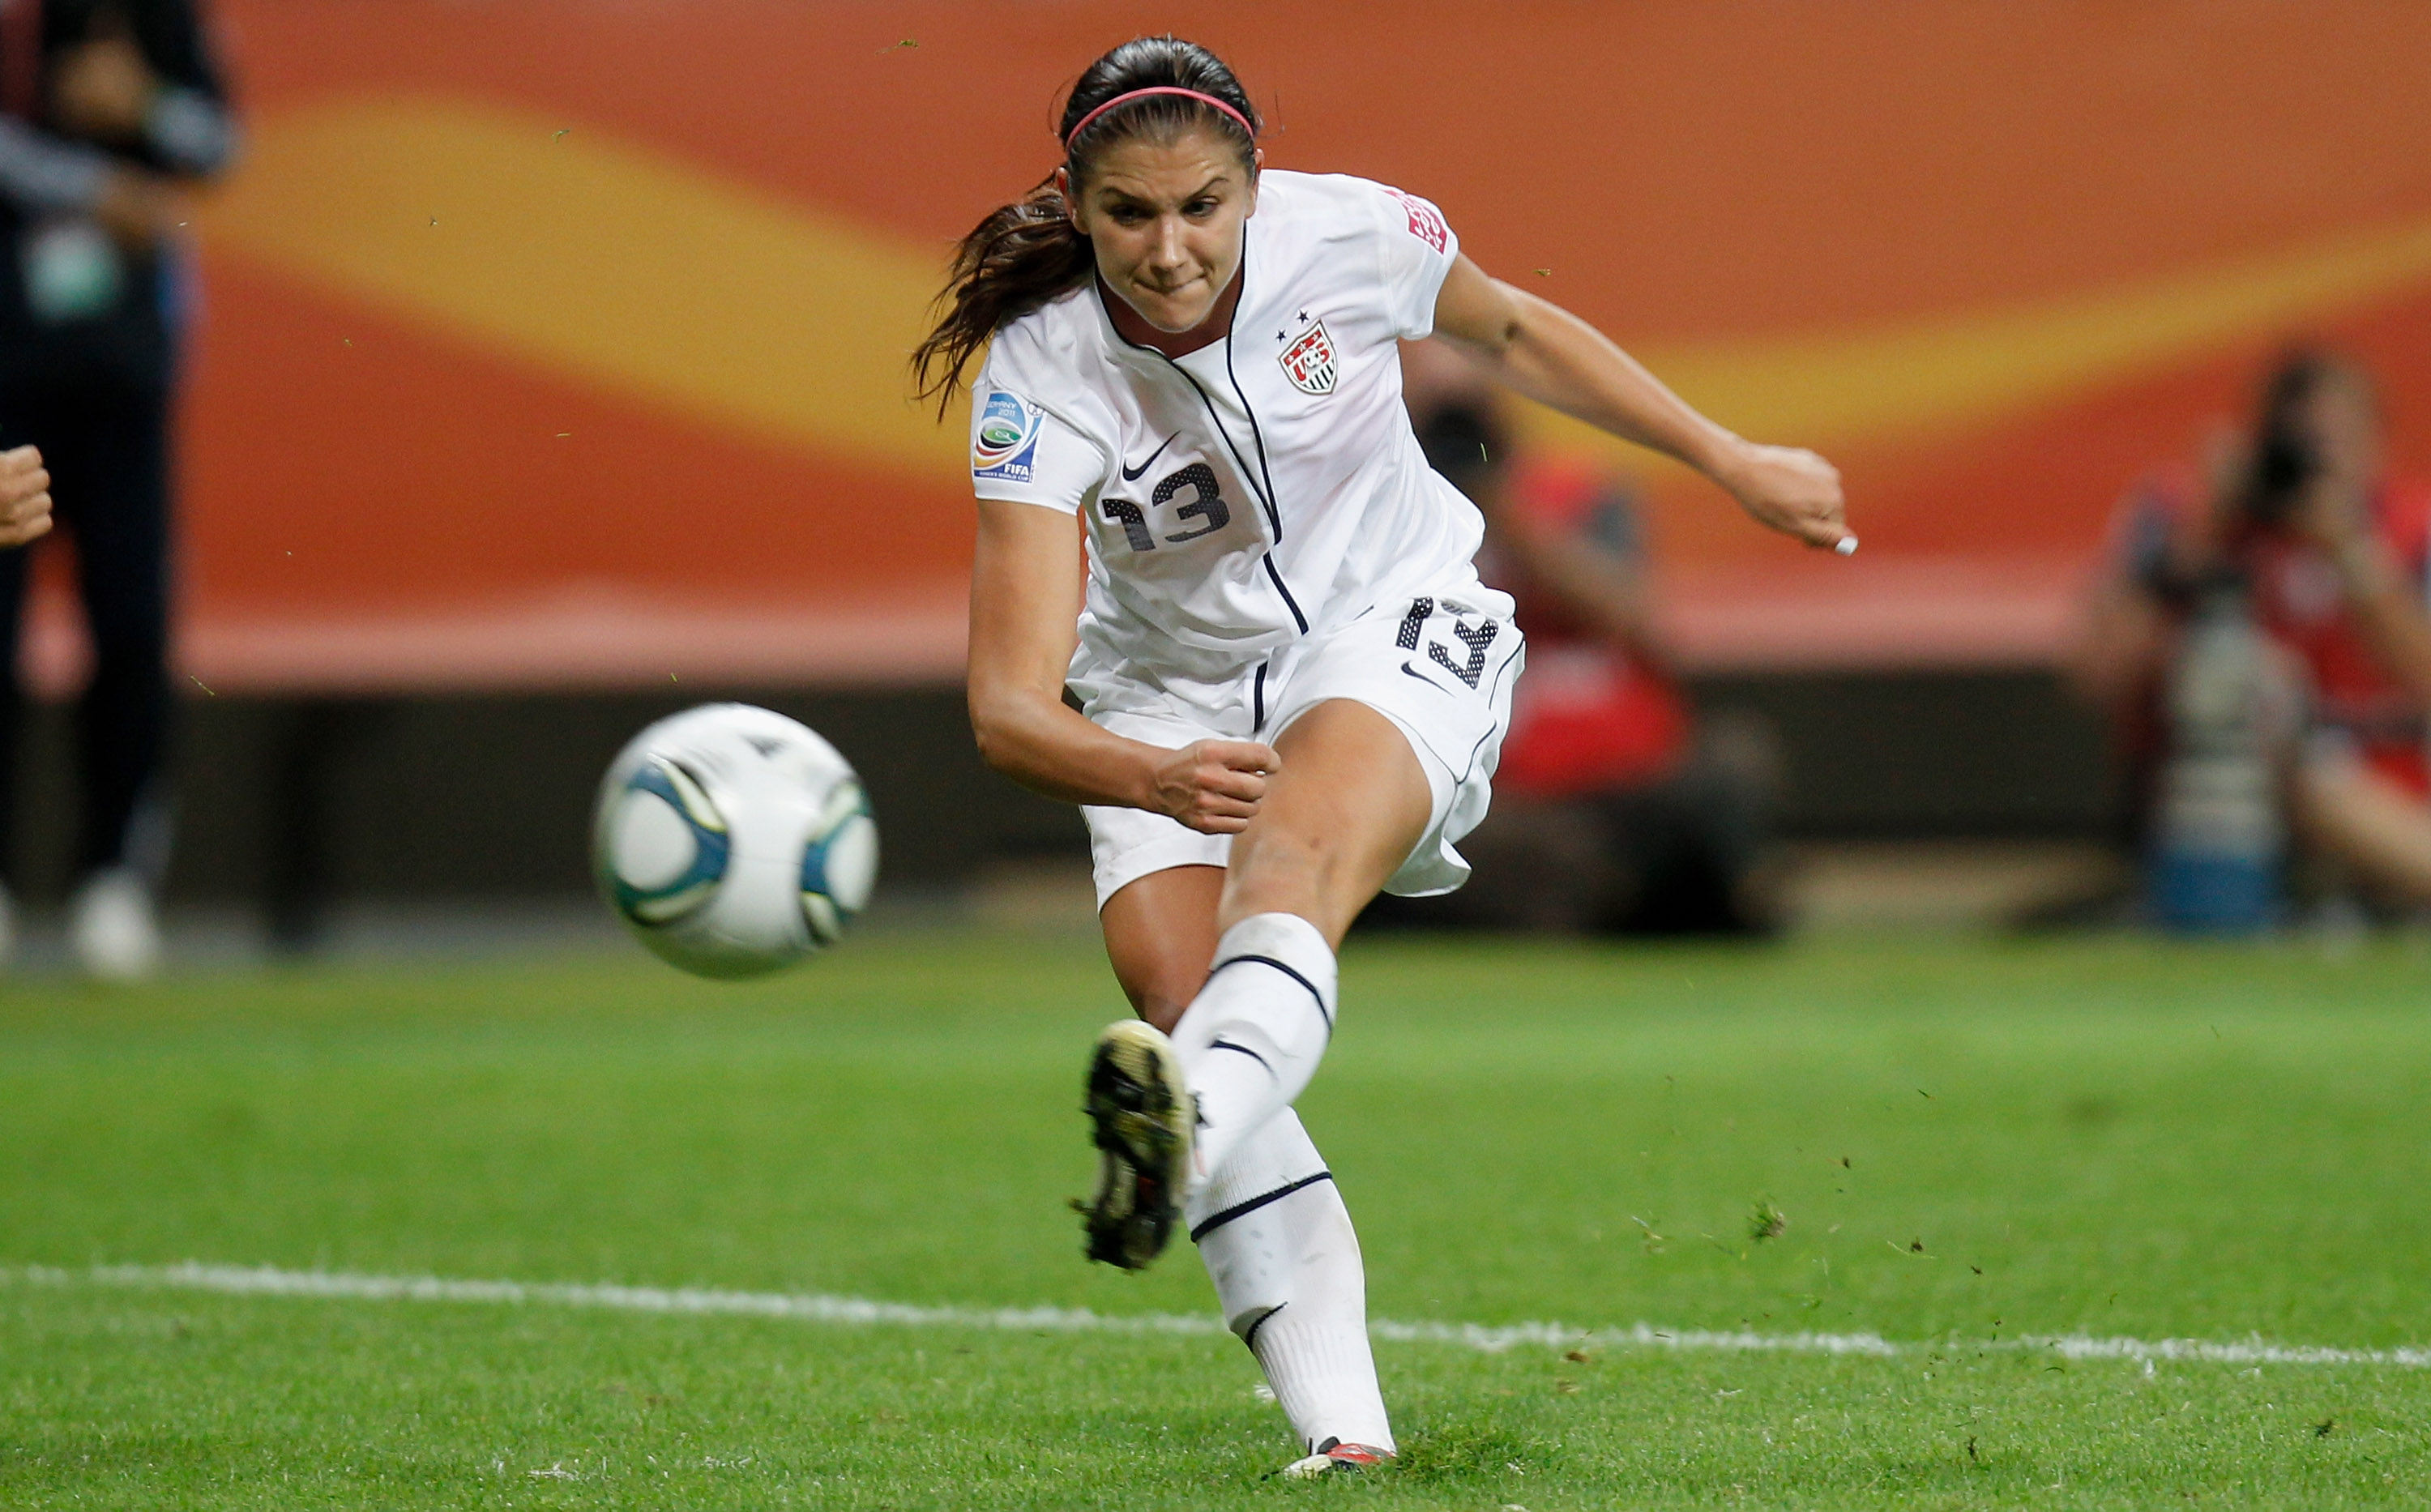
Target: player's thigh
1161,938
1340,816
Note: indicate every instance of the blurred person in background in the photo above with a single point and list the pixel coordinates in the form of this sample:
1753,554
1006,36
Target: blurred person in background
107,110
1617,807
2261,640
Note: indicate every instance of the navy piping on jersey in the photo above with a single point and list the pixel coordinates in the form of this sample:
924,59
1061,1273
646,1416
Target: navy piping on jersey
1258,699
1244,1209
1266,495
1257,433
1289,602
1322,1012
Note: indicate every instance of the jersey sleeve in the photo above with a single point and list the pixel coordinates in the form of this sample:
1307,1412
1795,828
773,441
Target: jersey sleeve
1021,452
1416,248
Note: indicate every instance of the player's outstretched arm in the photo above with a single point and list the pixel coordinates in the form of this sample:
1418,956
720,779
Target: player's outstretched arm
1025,607
1552,356
25,496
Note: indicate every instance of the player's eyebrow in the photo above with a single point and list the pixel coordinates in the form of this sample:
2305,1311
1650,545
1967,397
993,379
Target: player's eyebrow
1123,196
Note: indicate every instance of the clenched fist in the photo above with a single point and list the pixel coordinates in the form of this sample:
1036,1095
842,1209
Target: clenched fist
1213,785
25,496
1792,489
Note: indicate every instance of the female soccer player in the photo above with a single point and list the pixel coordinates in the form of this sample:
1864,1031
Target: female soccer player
1290,683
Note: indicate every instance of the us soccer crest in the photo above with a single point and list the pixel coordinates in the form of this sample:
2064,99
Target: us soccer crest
1309,362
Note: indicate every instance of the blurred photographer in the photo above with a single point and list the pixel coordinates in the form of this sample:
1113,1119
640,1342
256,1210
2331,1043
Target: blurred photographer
2262,639
110,110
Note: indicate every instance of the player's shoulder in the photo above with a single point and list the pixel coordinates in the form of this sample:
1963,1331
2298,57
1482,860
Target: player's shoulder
1051,356
1344,198
1047,337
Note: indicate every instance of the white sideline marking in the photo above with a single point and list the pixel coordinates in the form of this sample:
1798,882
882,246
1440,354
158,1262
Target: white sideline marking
267,1281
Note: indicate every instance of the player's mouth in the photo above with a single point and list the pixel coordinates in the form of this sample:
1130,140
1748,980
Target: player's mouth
1188,297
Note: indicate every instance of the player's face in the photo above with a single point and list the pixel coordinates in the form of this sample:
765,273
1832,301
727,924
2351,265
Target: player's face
1165,219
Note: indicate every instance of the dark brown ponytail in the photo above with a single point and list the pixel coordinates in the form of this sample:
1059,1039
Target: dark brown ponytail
1025,253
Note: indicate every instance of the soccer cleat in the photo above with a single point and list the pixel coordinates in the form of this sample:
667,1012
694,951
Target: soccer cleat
1141,1116
1334,1457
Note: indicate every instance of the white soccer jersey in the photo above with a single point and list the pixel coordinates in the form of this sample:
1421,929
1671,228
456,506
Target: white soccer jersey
1260,491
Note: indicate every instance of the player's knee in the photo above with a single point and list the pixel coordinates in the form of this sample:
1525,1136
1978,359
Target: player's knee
1279,871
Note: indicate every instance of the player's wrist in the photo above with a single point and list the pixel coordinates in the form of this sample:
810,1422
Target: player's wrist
1723,457
1142,784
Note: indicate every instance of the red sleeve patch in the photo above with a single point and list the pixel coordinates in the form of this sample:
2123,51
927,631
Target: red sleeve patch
1426,222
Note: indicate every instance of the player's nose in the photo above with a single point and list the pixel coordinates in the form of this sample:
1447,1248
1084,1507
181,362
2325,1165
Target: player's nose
1166,250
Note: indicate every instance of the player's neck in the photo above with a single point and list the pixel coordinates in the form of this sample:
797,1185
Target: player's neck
1137,332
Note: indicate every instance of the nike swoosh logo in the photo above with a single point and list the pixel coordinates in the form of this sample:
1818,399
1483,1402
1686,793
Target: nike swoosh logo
1423,678
1131,474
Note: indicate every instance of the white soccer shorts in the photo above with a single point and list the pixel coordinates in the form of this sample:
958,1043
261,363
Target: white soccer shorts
1441,666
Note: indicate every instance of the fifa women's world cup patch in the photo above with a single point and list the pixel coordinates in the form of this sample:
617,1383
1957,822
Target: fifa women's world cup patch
1007,443
1309,362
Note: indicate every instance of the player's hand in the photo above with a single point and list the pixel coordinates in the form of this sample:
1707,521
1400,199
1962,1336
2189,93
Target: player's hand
25,496
1213,785
1790,489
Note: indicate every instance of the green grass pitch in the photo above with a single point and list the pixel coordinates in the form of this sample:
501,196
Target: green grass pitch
1963,1145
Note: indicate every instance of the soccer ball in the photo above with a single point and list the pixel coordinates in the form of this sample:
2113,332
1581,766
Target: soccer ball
733,841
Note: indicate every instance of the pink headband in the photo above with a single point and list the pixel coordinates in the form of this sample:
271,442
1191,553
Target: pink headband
1161,88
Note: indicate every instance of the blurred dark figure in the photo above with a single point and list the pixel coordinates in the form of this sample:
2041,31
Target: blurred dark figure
2260,638
107,110
1615,808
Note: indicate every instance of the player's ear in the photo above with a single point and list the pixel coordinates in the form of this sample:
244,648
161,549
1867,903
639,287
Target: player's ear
1071,202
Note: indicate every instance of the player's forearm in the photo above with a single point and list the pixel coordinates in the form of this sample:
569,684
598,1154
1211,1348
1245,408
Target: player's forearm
1041,743
1560,360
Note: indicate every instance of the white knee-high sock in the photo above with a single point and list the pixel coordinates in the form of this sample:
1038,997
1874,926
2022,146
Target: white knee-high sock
1251,1039
1279,1245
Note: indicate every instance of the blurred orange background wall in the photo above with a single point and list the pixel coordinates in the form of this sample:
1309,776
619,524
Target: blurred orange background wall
560,341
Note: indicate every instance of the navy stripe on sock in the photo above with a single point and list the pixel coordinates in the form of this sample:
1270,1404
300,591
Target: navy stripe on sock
1322,1012
1242,1050
1251,1339
1242,1209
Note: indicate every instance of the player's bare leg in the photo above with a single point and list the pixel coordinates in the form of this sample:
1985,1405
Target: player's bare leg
1160,938
1337,821
1344,812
